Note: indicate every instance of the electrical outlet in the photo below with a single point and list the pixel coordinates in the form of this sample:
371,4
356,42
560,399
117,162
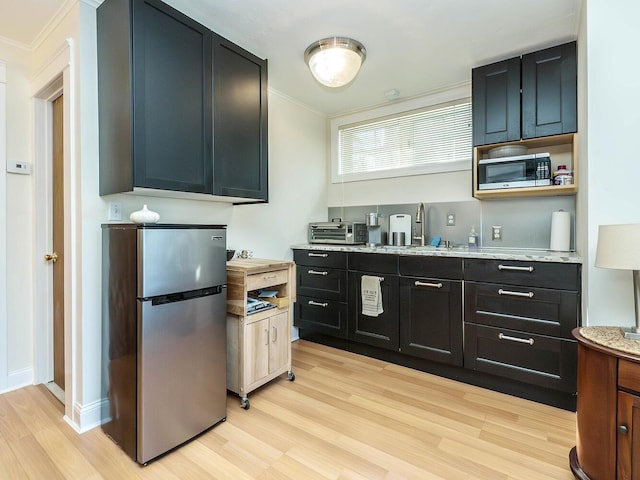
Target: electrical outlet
496,232
115,212
451,219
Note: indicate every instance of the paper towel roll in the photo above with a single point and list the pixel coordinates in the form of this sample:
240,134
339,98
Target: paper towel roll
560,231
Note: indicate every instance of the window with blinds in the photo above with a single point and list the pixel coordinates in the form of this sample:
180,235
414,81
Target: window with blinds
435,139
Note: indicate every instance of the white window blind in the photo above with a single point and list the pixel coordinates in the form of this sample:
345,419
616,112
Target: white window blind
430,140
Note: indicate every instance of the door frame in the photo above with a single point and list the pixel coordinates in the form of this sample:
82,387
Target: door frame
55,78
4,372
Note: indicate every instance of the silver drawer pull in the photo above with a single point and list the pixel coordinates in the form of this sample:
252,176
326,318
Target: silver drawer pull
323,255
427,284
502,336
269,277
315,272
515,269
515,294
318,304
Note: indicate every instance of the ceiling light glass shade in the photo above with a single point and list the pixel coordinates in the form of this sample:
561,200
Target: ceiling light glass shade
335,61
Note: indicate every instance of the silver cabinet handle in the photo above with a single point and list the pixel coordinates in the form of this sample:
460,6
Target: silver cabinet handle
502,336
623,429
266,336
275,334
515,269
427,284
318,304
323,255
515,294
269,277
315,272
217,237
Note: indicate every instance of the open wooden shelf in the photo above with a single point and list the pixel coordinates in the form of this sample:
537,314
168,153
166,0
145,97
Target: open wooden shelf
563,150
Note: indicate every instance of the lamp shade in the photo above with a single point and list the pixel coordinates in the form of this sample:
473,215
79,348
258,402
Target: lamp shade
618,247
335,61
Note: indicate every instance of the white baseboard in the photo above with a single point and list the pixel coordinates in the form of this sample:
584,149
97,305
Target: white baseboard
87,416
19,379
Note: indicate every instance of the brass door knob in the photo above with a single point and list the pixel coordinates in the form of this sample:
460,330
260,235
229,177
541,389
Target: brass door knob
51,257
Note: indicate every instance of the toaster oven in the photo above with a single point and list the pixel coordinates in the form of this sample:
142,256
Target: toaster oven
348,233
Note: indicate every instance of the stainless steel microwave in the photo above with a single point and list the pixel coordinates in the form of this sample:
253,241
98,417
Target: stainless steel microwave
531,170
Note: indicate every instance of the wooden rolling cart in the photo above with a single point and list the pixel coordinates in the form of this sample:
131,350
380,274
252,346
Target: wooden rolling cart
258,344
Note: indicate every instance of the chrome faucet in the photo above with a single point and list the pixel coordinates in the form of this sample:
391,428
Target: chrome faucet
421,219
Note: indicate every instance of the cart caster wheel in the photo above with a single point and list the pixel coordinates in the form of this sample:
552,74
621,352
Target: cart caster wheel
291,376
245,403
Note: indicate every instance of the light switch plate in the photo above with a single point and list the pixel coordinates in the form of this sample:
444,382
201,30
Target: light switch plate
115,212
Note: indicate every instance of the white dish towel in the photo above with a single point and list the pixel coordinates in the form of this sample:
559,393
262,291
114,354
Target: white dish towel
371,296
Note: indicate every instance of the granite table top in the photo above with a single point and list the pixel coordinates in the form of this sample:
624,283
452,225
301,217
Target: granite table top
462,252
611,337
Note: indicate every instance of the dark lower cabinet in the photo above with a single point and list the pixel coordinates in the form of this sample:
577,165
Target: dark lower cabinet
548,362
381,330
431,319
328,317
321,283
504,325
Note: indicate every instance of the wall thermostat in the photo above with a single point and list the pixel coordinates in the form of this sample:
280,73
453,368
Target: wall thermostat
19,167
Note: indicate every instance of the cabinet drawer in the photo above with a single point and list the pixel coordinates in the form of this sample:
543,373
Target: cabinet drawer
629,375
327,283
533,310
536,359
534,274
267,279
320,258
373,262
431,267
321,315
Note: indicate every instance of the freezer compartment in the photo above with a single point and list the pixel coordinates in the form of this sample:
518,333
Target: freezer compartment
180,259
181,369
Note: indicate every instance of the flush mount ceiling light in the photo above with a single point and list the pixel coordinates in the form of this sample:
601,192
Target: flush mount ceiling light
335,61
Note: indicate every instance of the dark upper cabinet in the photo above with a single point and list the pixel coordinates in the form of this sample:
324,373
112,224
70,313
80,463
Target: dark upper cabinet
525,97
549,91
161,127
155,98
240,122
495,102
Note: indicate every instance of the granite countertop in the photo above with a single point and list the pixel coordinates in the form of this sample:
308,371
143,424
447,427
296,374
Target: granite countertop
463,252
611,337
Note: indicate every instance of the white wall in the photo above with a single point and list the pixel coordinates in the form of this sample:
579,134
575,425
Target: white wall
613,99
18,209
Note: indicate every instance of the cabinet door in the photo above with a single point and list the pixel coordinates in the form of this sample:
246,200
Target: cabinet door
256,351
320,315
240,122
279,341
172,100
431,319
628,436
383,330
496,102
549,91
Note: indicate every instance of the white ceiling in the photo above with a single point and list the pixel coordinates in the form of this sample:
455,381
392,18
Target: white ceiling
414,46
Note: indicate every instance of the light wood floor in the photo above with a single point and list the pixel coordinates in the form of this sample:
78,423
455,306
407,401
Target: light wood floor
345,417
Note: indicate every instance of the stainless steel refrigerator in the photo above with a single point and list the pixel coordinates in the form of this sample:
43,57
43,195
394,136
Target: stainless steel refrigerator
163,334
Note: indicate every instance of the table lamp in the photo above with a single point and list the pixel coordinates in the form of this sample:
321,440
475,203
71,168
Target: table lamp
619,248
